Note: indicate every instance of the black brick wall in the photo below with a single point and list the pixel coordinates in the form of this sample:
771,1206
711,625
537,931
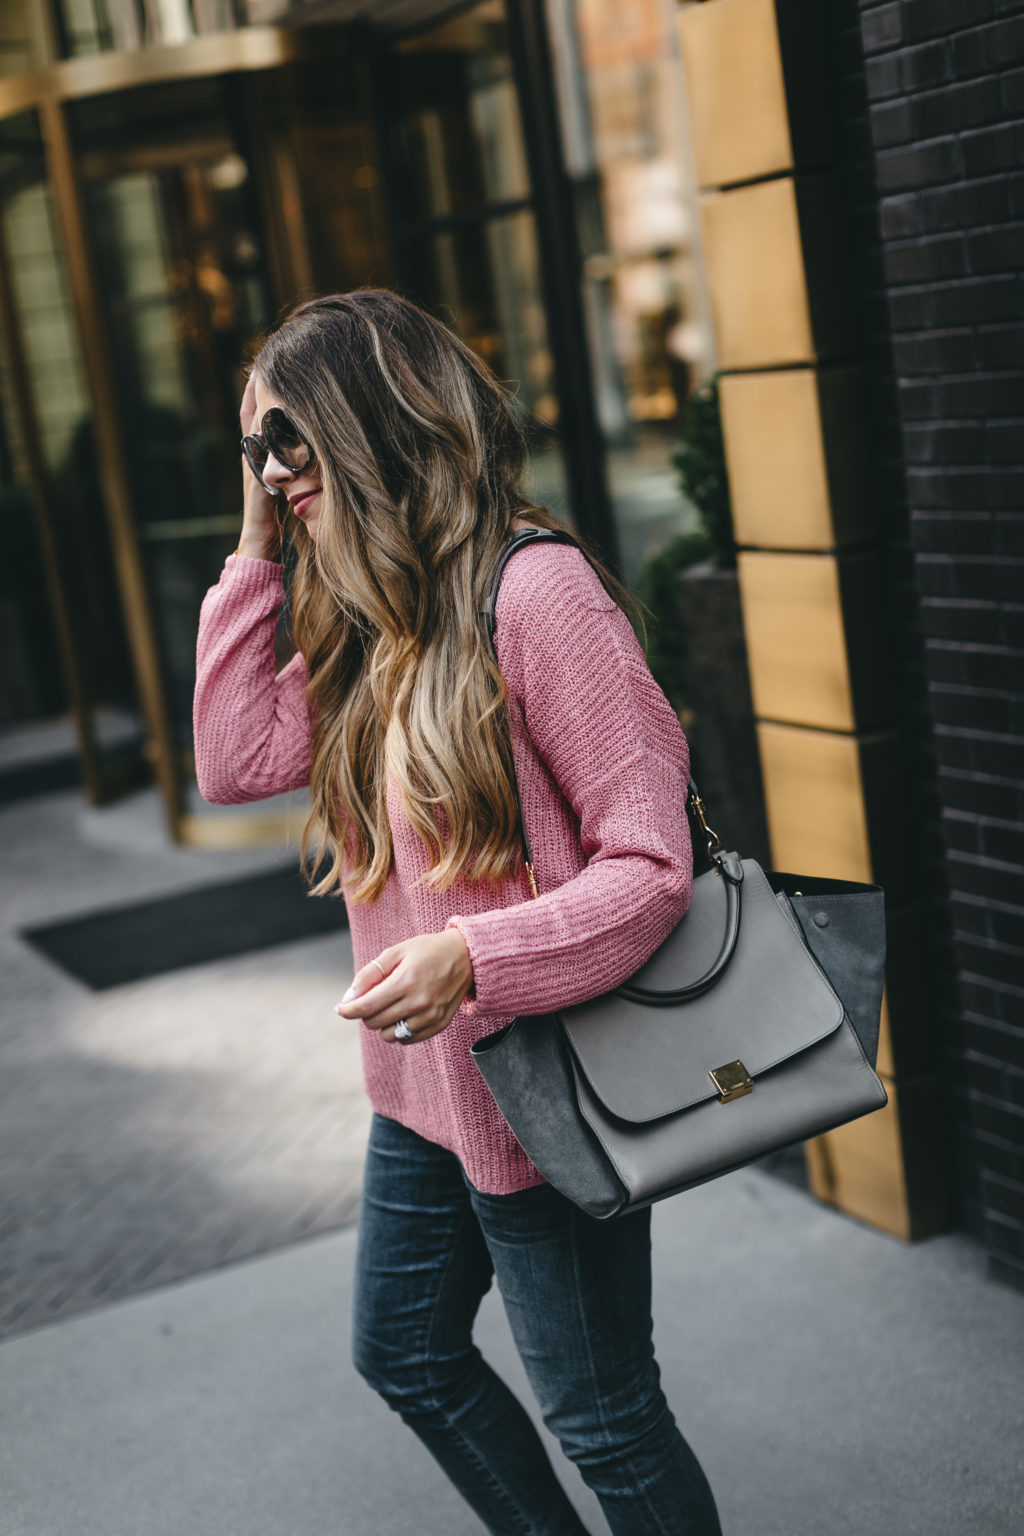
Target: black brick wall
931,99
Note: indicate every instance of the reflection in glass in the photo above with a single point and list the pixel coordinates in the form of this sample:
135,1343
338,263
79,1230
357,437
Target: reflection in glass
483,282
49,348
97,26
324,188
23,41
620,97
464,137
180,266
469,232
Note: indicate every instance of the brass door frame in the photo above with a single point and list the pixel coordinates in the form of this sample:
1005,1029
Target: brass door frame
79,261
219,53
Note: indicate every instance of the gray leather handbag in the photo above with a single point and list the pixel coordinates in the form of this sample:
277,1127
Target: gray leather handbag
753,1026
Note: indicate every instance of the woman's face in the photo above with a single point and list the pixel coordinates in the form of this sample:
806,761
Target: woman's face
303,491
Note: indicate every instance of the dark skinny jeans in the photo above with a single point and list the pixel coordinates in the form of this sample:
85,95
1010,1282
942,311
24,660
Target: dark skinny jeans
577,1293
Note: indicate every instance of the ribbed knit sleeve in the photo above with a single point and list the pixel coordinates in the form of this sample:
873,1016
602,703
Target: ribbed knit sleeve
250,723
581,690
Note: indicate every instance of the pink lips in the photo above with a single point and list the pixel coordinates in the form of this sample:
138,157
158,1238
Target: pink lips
298,507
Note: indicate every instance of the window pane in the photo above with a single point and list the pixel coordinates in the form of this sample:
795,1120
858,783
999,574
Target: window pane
484,282
461,115
179,258
59,405
620,95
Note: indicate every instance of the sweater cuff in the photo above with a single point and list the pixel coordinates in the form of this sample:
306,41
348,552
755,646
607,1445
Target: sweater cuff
495,974
469,1002
249,574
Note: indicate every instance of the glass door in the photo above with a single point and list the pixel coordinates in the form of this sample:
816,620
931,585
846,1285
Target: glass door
68,666
175,240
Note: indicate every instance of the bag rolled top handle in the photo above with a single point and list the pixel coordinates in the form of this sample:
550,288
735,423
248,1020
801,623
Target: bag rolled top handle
726,863
730,868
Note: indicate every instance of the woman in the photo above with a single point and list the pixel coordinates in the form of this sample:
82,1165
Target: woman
393,456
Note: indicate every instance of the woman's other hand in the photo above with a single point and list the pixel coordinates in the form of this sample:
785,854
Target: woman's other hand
261,530
425,980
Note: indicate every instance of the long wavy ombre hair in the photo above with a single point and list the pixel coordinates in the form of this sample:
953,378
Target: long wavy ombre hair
420,454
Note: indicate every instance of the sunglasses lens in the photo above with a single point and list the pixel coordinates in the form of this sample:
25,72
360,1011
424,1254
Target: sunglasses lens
284,440
255,451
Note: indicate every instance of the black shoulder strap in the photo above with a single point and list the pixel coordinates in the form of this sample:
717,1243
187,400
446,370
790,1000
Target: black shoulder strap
515,542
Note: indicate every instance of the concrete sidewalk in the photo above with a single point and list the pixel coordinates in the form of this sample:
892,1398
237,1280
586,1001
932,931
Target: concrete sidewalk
831,1380
153,1131
175,1155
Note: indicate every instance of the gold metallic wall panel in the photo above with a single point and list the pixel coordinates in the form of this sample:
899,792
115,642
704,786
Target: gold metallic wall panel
736,91
859,1168
796,648
834,807
775,453
795,454
812,790
755,269
884,1064
886,1168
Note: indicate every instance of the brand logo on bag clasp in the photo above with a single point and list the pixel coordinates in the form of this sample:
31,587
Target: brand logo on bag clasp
732,1081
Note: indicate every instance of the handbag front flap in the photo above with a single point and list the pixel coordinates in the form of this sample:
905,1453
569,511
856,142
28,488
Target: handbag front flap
644,1061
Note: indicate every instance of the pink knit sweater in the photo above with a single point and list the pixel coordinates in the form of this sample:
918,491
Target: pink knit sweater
602,764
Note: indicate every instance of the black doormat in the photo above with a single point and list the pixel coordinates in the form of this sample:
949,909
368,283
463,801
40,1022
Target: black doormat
123,944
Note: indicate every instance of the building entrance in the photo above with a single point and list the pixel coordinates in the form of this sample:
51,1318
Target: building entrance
153,233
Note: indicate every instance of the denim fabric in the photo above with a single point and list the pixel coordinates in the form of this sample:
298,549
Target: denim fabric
577,1293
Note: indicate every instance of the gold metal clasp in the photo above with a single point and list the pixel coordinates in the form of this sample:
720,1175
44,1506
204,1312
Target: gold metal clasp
732,1081
531,879
711,836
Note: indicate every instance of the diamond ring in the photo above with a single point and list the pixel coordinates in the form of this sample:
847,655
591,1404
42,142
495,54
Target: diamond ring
403,1032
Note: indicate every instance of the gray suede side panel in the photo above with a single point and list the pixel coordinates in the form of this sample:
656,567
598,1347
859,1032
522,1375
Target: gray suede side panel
526,1067
850,948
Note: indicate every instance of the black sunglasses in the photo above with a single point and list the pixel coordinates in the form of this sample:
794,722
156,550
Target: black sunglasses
278,435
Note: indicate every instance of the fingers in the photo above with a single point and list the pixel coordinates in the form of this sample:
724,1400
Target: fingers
382,1006
374,972
424,982
374,997
247,413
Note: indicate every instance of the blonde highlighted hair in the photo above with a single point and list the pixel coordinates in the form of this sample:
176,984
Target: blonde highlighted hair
420,453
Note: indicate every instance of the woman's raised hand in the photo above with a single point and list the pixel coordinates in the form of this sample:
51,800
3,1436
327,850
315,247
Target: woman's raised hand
423,982
261,529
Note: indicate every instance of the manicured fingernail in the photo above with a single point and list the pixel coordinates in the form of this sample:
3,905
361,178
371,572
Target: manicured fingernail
349,994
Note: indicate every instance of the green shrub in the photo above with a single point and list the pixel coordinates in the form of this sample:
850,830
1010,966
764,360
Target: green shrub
700,461
703,481
655,586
